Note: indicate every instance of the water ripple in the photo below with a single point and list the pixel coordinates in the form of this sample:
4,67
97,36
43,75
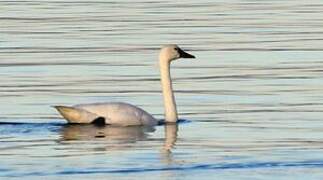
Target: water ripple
253,93
199,167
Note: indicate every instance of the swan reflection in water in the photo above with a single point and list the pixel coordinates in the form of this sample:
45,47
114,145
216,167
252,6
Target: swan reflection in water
170,136
93,132
118,138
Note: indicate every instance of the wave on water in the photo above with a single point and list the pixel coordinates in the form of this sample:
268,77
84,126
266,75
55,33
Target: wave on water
7,128
218,166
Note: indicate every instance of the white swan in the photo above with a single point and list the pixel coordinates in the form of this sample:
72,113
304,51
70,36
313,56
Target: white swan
123,114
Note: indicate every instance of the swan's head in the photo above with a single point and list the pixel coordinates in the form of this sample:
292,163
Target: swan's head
172,52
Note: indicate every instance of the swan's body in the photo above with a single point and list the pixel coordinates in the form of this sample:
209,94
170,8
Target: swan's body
115,113
124,114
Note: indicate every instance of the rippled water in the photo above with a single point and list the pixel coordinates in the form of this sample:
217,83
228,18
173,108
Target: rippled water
253,98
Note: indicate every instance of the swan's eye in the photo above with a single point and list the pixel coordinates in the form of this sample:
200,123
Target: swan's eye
176,49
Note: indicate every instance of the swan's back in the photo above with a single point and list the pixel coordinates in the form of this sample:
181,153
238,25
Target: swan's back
118,113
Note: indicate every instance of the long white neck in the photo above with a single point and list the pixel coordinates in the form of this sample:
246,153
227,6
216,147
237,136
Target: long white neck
169,100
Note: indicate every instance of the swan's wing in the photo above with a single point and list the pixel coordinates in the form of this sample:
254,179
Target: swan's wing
76,115
121,114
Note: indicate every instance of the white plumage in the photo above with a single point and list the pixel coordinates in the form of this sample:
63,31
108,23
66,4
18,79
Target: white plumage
120,113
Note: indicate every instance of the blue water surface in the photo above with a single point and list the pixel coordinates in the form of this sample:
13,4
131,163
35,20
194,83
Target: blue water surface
252,99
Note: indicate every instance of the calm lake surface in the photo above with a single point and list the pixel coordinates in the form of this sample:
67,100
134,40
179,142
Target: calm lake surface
252,100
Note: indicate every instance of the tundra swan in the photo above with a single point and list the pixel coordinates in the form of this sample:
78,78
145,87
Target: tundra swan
124,114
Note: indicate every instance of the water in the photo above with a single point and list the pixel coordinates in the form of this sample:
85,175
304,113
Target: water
252,100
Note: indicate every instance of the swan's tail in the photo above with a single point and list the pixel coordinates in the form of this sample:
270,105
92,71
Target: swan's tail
76,115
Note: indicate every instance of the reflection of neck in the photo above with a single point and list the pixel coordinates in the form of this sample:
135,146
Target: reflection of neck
169,100
170,136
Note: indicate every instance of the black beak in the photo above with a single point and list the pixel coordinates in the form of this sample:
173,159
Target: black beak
183,54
